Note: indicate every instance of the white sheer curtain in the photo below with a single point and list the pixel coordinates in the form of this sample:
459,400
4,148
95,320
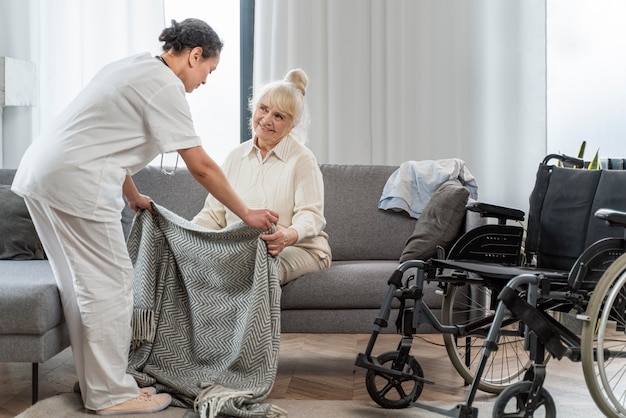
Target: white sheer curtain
397,80
78,37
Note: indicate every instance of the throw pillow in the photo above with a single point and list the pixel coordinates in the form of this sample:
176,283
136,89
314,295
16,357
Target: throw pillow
18,238
439,224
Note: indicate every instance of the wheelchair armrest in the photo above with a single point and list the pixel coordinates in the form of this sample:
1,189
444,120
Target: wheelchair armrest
502,213
611,216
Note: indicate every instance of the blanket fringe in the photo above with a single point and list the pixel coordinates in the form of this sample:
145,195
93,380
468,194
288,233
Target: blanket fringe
143,327
210,402
277,412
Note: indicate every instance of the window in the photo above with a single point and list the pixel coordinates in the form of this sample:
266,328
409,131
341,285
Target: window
586,87
215,107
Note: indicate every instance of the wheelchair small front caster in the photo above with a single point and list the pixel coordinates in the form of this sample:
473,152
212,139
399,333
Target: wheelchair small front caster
512,402
395,392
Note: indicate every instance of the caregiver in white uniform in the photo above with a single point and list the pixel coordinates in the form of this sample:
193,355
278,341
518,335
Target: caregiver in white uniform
73,178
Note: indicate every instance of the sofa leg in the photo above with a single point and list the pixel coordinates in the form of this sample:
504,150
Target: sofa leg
35,383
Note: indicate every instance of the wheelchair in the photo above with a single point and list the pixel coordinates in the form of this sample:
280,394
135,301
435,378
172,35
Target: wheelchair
511,304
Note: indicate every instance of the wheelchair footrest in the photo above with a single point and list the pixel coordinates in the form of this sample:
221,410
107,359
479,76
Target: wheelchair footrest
460,411
466,411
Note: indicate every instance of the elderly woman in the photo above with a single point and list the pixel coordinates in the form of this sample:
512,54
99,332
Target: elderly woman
275,170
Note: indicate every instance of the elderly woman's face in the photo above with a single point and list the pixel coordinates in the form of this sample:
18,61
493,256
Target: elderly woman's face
270,124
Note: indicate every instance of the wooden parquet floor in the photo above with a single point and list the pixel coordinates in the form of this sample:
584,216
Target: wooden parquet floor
311,366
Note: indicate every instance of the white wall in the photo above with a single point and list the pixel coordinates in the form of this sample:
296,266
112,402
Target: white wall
19,38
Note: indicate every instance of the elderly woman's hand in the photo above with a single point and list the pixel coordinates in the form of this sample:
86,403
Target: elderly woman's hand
277,241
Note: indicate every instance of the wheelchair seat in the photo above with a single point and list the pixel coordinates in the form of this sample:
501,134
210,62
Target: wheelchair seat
498,271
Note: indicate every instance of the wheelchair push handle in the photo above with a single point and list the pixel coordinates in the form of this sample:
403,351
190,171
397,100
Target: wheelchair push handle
565,159
611,216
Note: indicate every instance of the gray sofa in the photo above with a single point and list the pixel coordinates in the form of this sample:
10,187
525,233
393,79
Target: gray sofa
366,243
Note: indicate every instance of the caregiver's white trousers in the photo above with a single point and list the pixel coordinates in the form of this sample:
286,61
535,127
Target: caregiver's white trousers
95,279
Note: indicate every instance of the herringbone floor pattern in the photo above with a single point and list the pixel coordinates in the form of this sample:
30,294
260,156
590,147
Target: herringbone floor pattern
311,366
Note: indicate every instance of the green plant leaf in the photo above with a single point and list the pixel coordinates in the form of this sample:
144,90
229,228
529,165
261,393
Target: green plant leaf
581,150
594,164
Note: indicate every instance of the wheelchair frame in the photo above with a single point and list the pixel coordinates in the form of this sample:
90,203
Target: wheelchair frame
527,297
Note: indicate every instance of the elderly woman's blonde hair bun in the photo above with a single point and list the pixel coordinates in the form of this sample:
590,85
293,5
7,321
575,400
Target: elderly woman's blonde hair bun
298,78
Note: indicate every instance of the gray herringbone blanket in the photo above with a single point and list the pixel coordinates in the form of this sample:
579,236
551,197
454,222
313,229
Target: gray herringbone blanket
206,323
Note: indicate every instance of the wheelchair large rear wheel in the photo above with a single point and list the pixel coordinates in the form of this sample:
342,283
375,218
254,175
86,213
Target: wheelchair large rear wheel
603,341
474,306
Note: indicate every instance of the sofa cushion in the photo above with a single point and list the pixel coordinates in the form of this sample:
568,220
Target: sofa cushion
29,300
7,175
356,228
351,194
18,238
346,285
439,224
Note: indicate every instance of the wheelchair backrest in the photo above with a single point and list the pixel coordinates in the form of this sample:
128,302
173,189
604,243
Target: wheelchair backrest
561,222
